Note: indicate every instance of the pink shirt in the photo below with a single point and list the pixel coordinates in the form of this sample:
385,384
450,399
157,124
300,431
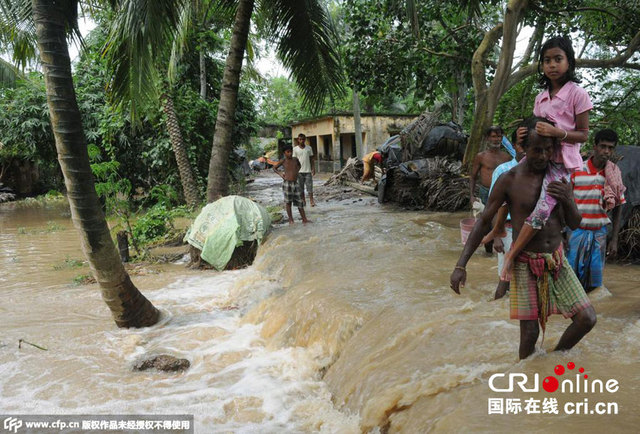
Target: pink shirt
562,110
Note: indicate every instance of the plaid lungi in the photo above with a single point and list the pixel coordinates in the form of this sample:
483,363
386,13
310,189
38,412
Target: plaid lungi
587,253
543,284
292,193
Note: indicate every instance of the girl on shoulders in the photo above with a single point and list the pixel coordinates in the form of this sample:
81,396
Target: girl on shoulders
567,105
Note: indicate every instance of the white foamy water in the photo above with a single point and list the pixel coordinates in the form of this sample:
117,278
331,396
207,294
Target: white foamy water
341,326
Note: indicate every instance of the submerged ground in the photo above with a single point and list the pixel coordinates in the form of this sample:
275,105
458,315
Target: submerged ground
344,325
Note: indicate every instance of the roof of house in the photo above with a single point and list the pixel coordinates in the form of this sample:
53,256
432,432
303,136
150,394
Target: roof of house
334,114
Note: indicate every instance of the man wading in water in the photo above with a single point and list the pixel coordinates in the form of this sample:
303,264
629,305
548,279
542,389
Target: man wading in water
543,282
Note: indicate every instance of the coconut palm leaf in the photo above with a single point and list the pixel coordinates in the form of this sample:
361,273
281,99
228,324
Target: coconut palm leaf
9,74
198,15
307,45
140,32
17,32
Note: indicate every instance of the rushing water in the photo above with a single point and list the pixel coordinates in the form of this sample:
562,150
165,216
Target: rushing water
345,325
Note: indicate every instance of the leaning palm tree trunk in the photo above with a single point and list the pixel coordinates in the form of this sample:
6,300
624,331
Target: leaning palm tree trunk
128,306
217,184
189,186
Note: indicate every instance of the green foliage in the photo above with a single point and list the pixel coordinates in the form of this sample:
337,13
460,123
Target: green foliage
163,195
26,130
617,99
156,223
144,153
53,195
83,279
396,70
68,263
517,104
281,102
271,146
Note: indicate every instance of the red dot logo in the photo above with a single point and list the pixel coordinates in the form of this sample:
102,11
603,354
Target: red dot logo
581,370
571,365
550,384
559,369
586,376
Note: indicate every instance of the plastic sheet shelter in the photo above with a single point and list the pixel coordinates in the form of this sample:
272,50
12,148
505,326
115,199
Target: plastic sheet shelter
224,225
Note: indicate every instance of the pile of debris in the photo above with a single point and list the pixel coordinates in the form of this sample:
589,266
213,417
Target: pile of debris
6,194
351,172
423,167
428,177
629,237
430,183
427,137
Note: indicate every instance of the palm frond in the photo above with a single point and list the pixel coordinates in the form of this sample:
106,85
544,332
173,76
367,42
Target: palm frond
140,32
307,45
188,19
9,74
17,32
198,16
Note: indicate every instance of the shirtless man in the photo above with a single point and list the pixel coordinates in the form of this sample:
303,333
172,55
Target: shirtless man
562,293
485,163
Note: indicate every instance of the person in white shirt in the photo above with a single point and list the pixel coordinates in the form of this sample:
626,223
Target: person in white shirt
305,155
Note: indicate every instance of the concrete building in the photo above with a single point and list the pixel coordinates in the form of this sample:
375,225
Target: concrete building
332,136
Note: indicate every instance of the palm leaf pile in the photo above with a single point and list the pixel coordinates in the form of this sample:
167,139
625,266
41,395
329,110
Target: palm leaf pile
431,183
412,136
629,237
351,172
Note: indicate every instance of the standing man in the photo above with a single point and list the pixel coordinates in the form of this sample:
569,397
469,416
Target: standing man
305,155
543,281
597,189
484,164
502,242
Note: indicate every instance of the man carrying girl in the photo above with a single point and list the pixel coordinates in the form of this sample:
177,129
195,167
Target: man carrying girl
567,105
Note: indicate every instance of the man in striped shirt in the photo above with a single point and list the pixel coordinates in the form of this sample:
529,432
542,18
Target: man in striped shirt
598,180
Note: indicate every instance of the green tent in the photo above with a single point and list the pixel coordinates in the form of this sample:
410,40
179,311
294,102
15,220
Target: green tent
224,225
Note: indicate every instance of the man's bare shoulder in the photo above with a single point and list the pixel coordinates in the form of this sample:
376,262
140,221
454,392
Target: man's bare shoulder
510,175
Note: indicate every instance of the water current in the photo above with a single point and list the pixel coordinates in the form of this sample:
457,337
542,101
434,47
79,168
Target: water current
344,325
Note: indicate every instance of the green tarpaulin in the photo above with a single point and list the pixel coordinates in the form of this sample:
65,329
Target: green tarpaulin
223,225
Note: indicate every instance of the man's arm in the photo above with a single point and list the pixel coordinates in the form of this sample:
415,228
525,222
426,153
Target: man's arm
276,166
475,168
312,160
612,248
481,228
563,193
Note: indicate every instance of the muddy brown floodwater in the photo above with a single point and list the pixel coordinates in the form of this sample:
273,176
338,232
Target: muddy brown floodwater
345,325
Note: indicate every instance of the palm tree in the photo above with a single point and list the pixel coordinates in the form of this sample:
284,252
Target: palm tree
53,20
307,45
142,34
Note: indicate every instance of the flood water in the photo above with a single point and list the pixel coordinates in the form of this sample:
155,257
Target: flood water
345,325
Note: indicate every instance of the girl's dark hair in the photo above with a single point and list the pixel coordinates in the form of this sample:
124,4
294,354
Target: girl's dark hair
563,43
